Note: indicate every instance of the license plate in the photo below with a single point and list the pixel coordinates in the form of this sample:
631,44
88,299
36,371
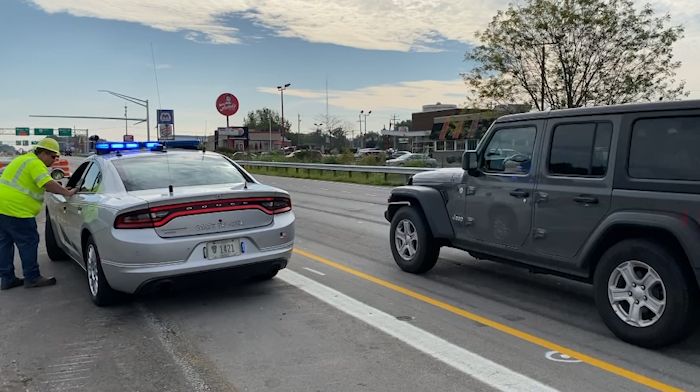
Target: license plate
224,248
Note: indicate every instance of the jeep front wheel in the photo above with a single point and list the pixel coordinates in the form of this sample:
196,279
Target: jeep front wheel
412,244
643,295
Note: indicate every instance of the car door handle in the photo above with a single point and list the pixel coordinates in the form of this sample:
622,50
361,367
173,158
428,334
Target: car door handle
520,194
582,199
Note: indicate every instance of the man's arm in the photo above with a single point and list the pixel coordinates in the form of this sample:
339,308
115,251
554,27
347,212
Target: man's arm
54,187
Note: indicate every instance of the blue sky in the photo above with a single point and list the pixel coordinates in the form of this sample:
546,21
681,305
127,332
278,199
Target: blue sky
388,56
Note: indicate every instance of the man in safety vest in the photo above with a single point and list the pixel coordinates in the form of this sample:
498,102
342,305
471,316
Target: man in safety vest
22,187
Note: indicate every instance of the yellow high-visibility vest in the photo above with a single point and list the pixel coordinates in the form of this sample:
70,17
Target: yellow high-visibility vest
22,186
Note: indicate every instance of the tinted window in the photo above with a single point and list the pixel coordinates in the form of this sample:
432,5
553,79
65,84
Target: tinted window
162,170
510,151
77,175
666,148
92,179
580,149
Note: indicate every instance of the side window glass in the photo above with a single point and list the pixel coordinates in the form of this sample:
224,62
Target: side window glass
665,149
580,149
92,178
77,175
510,151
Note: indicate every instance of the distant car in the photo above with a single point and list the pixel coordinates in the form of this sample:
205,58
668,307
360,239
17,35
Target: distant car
411,158
363,152
142,217
397,154
309,155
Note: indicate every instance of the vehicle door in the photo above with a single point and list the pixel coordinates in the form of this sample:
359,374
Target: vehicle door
80,206
575,188
499,208
59,205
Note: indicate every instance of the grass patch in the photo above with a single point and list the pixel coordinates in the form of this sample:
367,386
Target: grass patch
325,175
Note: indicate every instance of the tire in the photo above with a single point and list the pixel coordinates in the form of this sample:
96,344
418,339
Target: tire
52,249
664,296
418,252
99,289
57,175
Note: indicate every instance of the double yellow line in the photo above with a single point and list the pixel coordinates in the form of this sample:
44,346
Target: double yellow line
536,340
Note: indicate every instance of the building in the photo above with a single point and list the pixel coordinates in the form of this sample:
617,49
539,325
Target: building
24,139
244,139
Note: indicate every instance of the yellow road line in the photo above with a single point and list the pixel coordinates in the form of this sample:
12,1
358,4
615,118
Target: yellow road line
603,365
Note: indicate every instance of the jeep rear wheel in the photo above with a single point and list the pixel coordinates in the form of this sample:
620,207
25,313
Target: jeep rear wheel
412,244
643,295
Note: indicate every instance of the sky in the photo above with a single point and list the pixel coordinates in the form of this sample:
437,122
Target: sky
388,56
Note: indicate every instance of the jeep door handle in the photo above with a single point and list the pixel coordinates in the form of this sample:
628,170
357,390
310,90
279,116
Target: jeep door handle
586,199
520,194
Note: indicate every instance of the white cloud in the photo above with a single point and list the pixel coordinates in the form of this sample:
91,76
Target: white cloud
404,96
400,25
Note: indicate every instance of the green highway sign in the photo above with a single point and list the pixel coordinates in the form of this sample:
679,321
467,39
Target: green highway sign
34,142
43,131
22,131
65,132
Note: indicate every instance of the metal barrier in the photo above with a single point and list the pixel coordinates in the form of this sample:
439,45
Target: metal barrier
385,170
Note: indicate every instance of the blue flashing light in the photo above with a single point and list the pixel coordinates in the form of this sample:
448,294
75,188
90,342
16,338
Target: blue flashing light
102,146
116,146
152,144
132,145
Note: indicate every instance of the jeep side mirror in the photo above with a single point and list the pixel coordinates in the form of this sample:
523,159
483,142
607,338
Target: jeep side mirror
470,161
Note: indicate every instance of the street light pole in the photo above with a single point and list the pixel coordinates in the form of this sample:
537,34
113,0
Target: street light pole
363,138
137,101
281,90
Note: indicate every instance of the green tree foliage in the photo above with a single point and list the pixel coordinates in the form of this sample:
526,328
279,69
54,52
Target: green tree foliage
260,120
592,52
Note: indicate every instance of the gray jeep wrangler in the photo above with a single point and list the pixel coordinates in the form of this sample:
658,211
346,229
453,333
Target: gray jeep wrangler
606,195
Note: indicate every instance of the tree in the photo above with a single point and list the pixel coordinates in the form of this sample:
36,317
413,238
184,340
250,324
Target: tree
405,123
573,53
260,120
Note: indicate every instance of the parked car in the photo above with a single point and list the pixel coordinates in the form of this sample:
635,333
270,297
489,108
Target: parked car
363,152
307,155
142,217
411,158
605,195
396,154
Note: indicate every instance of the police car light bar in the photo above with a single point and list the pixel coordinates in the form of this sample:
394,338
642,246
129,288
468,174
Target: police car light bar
107,147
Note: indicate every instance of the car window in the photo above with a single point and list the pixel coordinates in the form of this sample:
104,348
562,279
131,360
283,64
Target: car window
92,179
580,149
77,175
509,151
665,148
162,170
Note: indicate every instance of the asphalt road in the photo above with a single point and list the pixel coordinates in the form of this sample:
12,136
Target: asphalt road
342,317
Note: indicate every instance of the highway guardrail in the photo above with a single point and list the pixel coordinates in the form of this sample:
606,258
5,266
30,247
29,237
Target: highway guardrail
385,170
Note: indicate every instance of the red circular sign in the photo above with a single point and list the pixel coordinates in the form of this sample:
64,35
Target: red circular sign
227,104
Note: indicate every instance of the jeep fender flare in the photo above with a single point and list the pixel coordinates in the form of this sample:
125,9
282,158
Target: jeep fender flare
685,230
429,201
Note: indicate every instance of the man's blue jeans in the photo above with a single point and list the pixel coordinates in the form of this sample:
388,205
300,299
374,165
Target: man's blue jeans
23,233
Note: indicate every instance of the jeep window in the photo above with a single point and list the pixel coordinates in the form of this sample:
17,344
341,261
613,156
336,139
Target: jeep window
509,151
580,149
666,149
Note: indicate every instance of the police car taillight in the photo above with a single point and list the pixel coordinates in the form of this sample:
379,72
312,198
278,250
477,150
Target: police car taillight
161,215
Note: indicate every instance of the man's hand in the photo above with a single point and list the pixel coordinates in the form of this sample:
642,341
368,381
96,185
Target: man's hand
57,188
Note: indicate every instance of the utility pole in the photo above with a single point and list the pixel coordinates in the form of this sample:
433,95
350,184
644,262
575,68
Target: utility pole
298,130
270,120
126,122
543,76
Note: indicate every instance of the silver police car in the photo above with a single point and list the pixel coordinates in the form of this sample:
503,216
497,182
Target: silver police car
142,216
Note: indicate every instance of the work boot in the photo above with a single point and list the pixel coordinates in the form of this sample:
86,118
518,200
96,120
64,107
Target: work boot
40,282
16,282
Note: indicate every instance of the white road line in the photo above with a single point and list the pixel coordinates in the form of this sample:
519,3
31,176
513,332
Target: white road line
469,363
196,381
71,364
314,271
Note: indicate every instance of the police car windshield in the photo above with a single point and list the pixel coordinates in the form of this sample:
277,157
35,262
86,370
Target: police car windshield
162,170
